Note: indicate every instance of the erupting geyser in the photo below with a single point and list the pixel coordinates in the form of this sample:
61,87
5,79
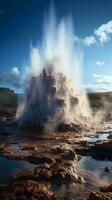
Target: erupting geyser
53,86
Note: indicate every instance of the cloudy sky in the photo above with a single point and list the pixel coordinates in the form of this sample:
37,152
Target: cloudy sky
21,21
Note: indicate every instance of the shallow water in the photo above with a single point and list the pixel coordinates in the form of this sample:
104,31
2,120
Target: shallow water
94,176
92,170
101,137
9,168
88,164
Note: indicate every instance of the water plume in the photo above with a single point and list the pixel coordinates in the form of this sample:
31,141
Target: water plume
53,83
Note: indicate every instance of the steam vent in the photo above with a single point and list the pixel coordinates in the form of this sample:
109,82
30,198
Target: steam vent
45,102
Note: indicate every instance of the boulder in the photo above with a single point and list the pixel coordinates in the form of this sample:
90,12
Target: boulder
69,155
105,193
108,169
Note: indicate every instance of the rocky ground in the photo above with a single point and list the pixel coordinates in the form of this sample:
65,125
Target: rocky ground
54,158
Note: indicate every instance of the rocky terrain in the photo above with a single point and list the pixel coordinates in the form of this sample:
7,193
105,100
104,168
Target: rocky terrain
101,103
8,104
52,165
54,161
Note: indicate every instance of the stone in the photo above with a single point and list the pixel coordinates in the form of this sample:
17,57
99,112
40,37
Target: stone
108,169
80,180
105,193
25,190
106,188
110,136
69,155
40,159
100,196
57,149
64,127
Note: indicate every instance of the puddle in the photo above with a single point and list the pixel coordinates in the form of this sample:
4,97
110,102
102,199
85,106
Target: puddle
88,164
101,137
9,168
15,146
94,176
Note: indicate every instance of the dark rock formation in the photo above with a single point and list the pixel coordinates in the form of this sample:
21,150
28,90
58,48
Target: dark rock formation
104,194
27,190
8,104
100,150
108,169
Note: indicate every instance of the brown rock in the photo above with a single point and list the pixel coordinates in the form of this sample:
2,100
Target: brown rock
104,194
100,196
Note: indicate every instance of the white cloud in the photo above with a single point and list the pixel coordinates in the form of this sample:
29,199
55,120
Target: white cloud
100,36
103,32
98,88
102,83
89,40
105,79
99,63
12,77
97,75
15,71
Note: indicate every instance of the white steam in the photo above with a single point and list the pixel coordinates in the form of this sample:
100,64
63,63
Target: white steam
61,56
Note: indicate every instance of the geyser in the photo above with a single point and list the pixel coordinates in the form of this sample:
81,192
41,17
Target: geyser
53,84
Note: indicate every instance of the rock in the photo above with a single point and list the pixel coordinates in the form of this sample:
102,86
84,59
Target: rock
104,194
57,149
100,150
69,155
29,190
64,127
100,196
36,148
108,169
40,159
106,188
64,178
84,143
80,180
62,172
66,154
110,136
76,127
25,190
2,150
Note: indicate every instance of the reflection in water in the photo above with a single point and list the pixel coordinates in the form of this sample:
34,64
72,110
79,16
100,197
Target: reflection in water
94,176
74,190
15,146
101,137
89,164
8,168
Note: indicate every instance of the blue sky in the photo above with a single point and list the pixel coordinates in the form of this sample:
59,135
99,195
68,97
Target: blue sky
21,21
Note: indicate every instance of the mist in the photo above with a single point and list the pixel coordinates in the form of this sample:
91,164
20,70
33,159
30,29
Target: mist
61,56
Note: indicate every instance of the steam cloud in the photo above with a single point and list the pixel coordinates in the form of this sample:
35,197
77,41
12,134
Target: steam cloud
62,59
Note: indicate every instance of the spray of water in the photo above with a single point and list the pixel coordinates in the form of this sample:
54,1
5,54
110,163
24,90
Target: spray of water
62,59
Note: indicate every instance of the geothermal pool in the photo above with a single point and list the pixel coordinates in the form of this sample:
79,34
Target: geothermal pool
10,168
94,175
101,137
92,170
88,164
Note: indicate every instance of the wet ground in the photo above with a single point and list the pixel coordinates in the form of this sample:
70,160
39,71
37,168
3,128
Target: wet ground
10,168
88,164
22,152
100,137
